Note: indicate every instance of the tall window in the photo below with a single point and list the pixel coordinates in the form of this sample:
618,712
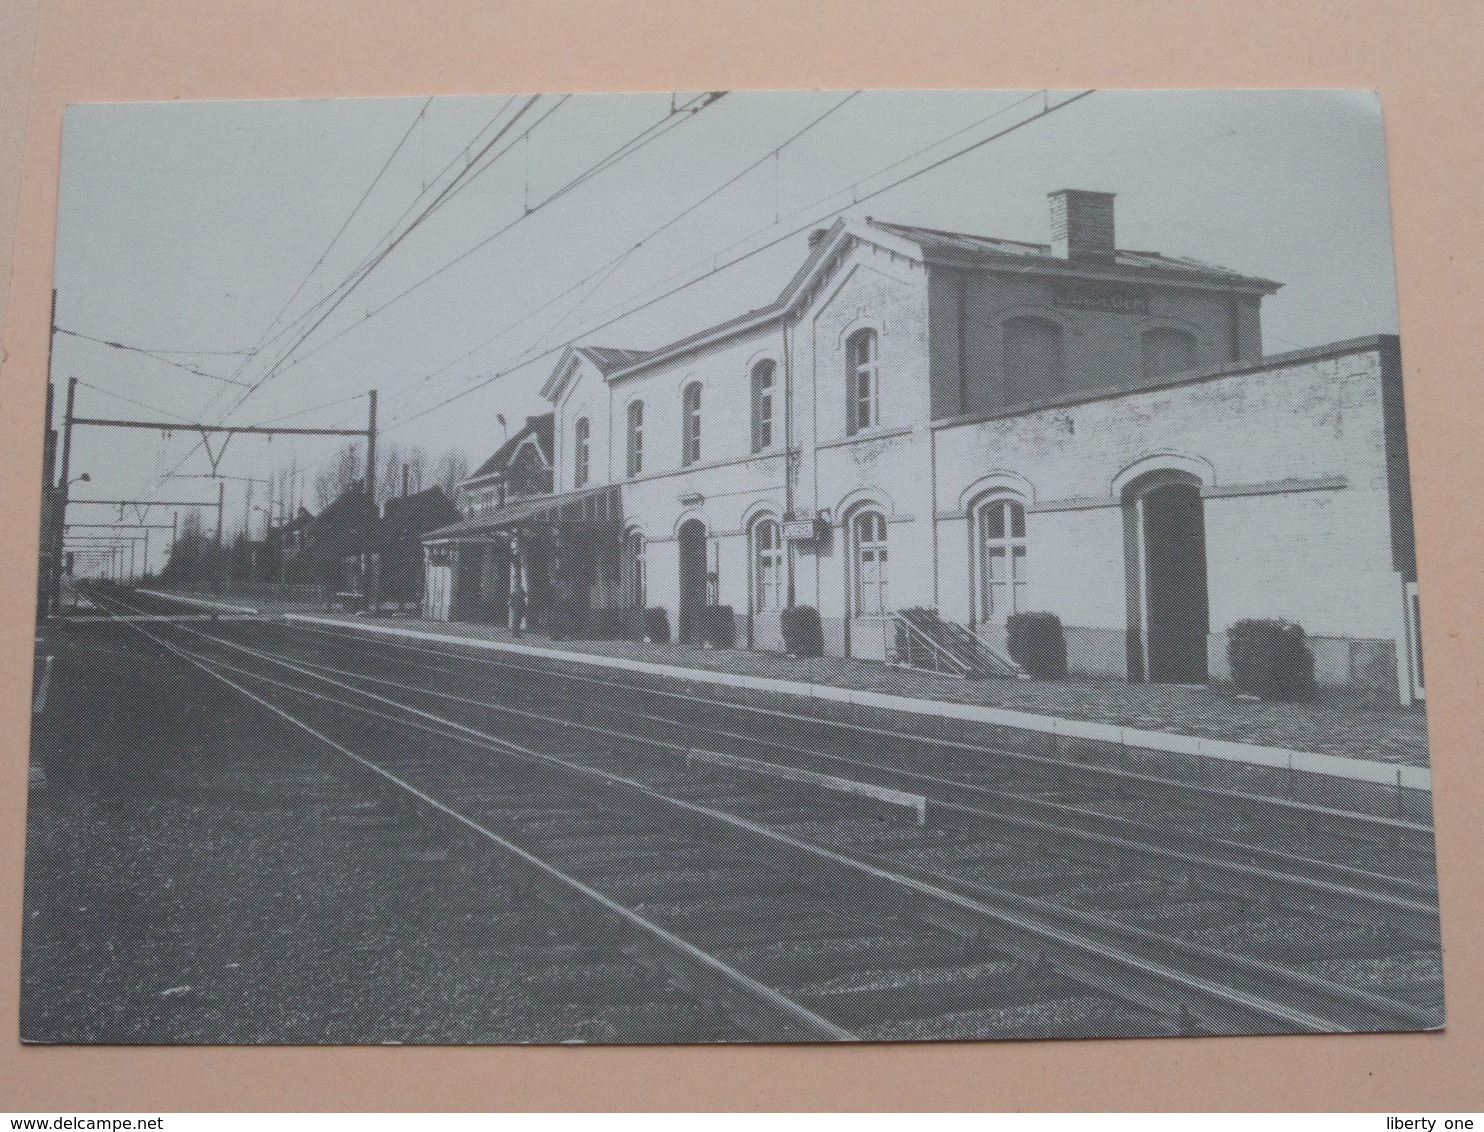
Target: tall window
1002,563
636,438
583,431
868,536
1033,367
767,565
864,410
690,424
1166,351
631,571
762,405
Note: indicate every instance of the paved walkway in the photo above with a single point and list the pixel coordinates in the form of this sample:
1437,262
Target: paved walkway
1337,723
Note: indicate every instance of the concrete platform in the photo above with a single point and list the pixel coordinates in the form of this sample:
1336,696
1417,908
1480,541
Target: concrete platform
1368,743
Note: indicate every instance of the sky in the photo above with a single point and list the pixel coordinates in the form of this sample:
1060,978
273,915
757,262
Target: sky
249,241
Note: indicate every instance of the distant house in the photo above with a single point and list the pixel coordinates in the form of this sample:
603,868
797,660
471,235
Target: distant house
399,551
520,468
279,546
481,557
337,547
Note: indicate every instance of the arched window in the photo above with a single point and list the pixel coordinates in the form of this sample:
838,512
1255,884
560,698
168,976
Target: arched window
632,580
1033,368
762,405
580,446
868,553
690,424
864,373
636,438
1166,351
767,566
1001,549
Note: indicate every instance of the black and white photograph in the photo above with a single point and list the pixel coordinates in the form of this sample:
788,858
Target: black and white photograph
726,566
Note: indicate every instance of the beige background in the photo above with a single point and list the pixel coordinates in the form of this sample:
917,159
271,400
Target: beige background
1423,56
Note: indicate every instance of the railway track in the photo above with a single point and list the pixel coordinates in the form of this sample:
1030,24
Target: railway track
981,922
1337,851
1113,788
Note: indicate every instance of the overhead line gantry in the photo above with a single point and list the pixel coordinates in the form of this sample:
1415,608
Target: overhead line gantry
71,419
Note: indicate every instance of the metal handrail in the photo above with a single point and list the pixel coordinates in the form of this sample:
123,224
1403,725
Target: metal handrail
1010,665
937,649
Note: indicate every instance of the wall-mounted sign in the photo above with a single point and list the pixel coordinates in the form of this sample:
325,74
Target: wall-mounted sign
1100,297
801,530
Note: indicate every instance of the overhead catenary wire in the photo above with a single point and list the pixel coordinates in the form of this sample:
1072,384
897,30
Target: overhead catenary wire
392,242
712,263
131,400
268,335
673,119
645,137
354,212
537,353
154,354
599,275
342,290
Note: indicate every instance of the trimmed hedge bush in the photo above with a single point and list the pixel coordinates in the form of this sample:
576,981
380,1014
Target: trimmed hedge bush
803,635
1270,659
1038,644
566,618
652,624
716,626
609,624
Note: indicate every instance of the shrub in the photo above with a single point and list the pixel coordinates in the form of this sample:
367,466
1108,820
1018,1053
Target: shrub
1037,643
1270,659
567,617
609,624
651,624
718,628
803,635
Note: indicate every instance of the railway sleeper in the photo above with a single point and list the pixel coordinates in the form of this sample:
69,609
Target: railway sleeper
810,958
884,995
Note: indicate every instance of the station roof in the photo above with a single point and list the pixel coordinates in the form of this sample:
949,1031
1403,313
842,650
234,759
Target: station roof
590,506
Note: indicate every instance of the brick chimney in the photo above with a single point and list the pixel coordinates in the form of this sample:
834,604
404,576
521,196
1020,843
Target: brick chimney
1081,224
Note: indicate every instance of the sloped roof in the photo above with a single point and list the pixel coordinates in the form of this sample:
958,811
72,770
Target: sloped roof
987,249
602,506
609,358
928,244
541,427
415,513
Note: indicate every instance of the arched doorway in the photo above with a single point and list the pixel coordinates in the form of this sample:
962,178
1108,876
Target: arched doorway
1168,599
692,539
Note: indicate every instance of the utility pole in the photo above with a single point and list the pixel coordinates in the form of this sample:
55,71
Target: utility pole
52,536
219,566
220,504
368,571
61,515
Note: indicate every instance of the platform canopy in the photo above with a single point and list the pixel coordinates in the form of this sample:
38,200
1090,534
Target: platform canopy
598,506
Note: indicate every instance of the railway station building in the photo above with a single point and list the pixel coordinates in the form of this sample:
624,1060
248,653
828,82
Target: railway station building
975,427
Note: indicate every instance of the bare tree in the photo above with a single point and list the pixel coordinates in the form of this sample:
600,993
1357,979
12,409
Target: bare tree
389,476
335,478
450,469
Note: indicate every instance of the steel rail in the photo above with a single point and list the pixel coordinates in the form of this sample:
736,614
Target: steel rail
1340,881
1092,769
752,995
1237,1010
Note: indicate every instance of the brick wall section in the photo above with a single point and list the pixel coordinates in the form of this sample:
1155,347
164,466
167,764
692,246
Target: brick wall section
1304,512
1100,349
